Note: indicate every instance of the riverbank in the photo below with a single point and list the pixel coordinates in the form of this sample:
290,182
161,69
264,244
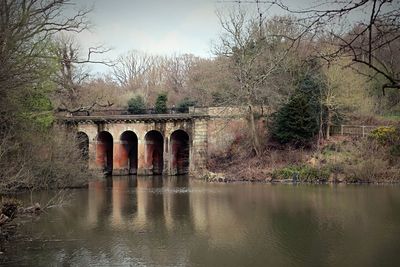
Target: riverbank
340,160
11,214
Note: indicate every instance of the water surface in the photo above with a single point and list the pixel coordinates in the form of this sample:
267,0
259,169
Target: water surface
174,221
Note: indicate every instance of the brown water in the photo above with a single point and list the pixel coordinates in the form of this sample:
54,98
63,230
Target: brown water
179,222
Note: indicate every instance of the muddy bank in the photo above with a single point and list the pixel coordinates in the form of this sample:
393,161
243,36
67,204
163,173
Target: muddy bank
211,177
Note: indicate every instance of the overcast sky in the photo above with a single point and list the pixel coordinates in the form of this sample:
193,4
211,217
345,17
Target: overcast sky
155,26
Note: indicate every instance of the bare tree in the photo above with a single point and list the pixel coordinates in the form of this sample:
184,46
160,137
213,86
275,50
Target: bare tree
177,69
368,31
255,57
210,80
147,75
140,73
73,75
131,68
27,30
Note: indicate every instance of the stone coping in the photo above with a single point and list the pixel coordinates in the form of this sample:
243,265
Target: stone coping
131,118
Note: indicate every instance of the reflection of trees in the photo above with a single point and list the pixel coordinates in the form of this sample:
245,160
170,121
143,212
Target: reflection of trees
167,221
289,225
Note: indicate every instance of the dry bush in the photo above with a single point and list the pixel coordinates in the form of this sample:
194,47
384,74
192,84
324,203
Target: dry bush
288,156
371,162
57,161
41,160
363,160
239,163
13,170
370,170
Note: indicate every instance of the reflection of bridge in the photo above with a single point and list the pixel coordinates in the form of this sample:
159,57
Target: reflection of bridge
122,143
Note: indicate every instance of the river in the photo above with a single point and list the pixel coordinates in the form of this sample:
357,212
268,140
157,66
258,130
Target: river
175,221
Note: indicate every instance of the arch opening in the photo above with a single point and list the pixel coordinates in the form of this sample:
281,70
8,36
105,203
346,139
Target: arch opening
82,140
179,152
129,151
104,152
154,148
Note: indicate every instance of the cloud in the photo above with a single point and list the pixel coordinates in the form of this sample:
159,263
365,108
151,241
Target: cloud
159,27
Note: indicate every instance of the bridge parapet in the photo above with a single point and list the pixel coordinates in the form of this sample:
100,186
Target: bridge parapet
130,118
123,115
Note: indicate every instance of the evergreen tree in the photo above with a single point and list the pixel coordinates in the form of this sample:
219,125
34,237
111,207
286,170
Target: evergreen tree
298,121
184,104
136,105
161,103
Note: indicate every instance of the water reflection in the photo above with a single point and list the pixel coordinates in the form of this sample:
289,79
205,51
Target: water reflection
135,202
175,221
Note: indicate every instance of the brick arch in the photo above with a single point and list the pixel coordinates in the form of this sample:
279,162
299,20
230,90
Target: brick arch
90,130
154,152
128,151
104,151
174,128
179,152
82,140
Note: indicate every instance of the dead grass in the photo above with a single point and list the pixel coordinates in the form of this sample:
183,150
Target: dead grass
362,160
244,166
347,160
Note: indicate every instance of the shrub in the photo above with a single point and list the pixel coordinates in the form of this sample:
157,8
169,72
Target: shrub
369,170
304,173
365,160
136,105
184,104
395,150
43,160
289,172
333,147
161,103
385,135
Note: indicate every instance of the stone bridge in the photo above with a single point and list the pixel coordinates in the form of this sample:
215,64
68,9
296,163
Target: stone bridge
175,143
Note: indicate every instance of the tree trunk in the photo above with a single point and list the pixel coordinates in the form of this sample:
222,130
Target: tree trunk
253,132
328,124
320,131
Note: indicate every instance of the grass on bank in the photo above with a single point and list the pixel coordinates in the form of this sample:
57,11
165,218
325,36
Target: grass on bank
375,159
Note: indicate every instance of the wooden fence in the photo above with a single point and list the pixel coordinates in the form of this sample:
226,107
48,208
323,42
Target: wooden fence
352,130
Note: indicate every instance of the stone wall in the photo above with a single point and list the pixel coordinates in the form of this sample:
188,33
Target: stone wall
223,132
224,126
200,146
